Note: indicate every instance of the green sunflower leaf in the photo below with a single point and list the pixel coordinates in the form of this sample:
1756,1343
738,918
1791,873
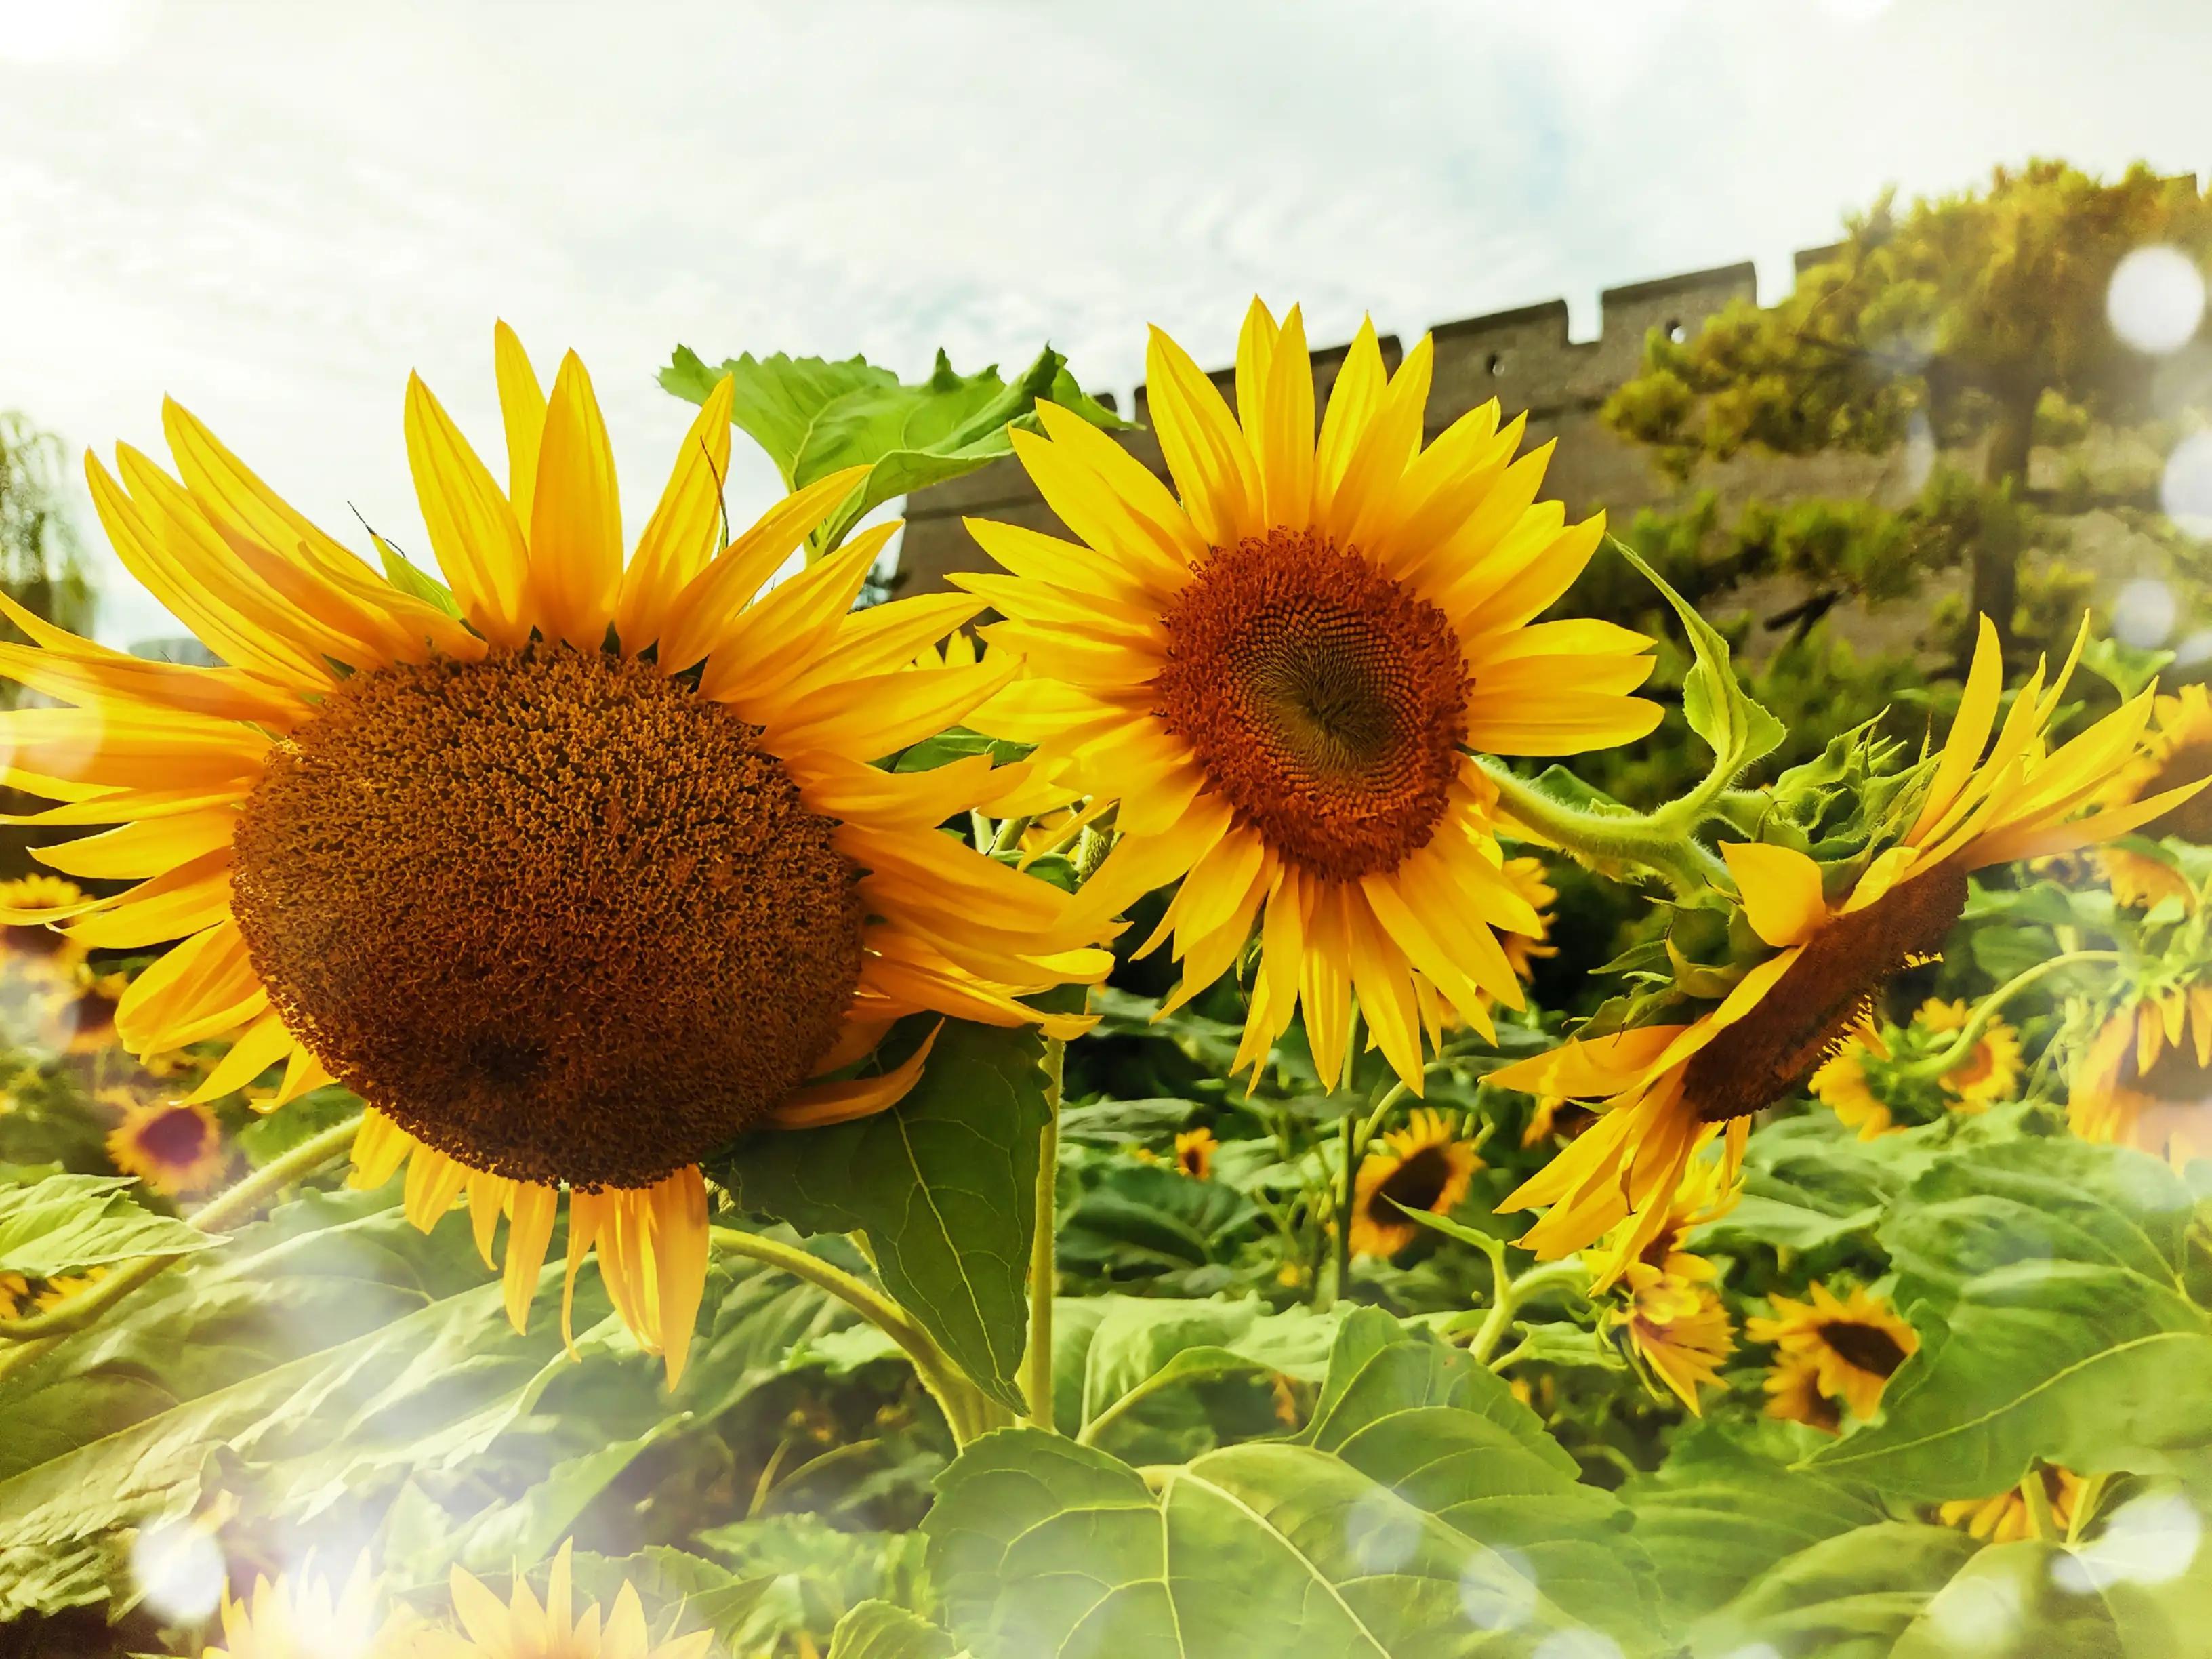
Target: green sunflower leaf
1846,1597
943,1184
876,1630
67,1223
2148,1597
1735,727
2050,1282
814,418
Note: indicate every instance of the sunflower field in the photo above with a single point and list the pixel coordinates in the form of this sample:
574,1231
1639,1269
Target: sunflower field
574,1098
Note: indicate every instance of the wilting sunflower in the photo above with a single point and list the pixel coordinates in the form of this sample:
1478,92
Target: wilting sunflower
2004,1519
1852,1346
1679,1326
299,1616
1840,1082
2145,1081
571,880
1194,1152
1275,672
1987,1075
1669,1089
174,1146
1423,1166
522,1627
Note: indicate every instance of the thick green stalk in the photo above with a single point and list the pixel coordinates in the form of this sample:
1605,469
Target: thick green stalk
966,1411
234,1204
1044,1267
1662,842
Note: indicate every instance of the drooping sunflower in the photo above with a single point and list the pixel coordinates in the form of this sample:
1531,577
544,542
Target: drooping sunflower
1273,673
1679,1326
1994,794
1840,1082
522,1627
2004,1519
174,1146
300,1616
1852,1346
1194,1152
2145,1080
1423,1166
571,874
2179,752
1987,1075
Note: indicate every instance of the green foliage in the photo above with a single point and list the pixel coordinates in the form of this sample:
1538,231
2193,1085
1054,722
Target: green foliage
876,1630
67,1223
814,418
943,1184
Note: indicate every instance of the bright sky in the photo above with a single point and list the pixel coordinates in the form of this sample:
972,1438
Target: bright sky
274,210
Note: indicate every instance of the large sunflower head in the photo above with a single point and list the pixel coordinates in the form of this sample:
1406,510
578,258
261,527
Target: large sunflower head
1423,1166
1992,794
523,1628
175,1146
573,874
1853,1346
1278,666
2145,1078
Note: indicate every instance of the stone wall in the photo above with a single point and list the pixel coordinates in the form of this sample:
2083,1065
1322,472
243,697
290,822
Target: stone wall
1525,359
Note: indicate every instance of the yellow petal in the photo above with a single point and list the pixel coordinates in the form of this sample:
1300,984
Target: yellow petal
1780,889
576,516
1215,474
686,527
473,530
522,409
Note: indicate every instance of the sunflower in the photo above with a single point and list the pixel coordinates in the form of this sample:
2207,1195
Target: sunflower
36,953
1527,877
572,874
522,1627
1679,1326
1275,673
85,1023
2004,1519
1194,1152
1551,1116
2139,881
1840,1082
1987,1075
55,1291
1853,1346
1424,1166
15,1291
299,1617
2145,1080
2179,752
1669,1089
1793,1394
174,1146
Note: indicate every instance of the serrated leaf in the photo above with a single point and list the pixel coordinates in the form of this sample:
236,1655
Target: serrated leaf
1138,1343
65,1223
876,1630
1737,729
943,1184
815,417
2047,1281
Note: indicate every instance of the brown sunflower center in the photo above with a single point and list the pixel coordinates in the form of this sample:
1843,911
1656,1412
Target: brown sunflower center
1417,1183
177,1136
1322,697
551,912
2192,819
2174,1076
1776,1047
1868,1348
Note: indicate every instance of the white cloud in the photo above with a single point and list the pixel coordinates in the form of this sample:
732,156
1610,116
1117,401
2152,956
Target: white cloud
273,212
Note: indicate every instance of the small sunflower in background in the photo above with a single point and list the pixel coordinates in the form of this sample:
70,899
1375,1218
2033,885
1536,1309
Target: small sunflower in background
1831,1353
2145,1078
300,1616
84,1023
2005,1518
523,1627
1425,1165
36,952
174,1146
14,1293
55,1291
1277,673
1841,1084
1194,1152
1995,793
1673,1317
573,874
1555,1115
1528,877
1990,1070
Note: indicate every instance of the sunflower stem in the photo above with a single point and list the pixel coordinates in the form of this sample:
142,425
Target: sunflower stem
1662,842
1509,1294
1044,1267
966,1413
234,1204
1961,1047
